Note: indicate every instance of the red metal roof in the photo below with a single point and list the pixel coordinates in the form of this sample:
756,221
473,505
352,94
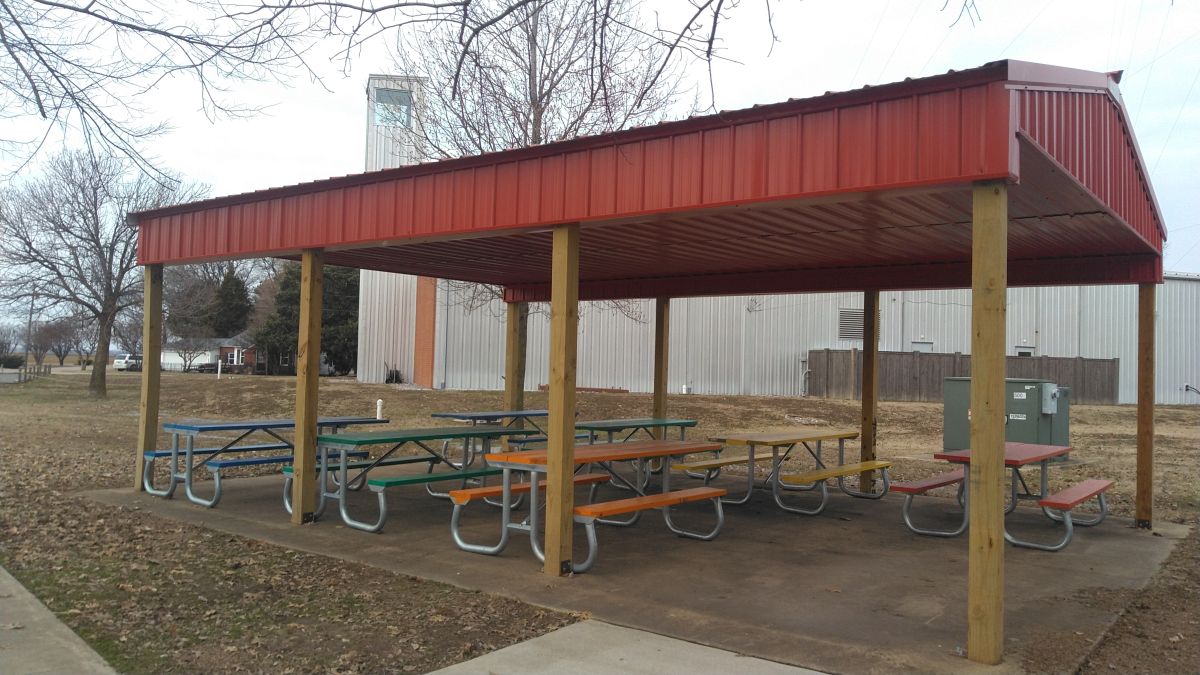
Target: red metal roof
868,187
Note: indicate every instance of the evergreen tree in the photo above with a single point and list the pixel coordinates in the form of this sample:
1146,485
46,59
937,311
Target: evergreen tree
339,317
229,312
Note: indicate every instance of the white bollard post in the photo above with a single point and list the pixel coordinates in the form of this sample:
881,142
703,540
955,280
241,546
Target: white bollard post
218,369
379,409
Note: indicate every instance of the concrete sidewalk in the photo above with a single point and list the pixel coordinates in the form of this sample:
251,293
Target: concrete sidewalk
33,640
598,648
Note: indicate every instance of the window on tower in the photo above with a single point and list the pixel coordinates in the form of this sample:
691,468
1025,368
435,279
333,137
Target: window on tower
393,107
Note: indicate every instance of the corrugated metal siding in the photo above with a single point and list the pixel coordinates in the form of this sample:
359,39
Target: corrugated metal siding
1085,132
387,302
756,344
386,324
961,122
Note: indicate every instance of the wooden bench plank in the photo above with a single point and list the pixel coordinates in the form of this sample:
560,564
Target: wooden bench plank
833,472
620,506
920,487
718,462
467,495
1065,500
379,484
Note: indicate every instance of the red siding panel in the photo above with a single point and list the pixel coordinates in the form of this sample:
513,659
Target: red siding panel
819,166
896,141
552,189
529,191
783,156
865,146
717,166
938,135
749,161
687,162
657,186
629,178
577,185
856,146
1085,133
603,183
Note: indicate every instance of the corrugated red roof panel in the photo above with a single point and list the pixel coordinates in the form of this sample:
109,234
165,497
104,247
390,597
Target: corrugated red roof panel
877,177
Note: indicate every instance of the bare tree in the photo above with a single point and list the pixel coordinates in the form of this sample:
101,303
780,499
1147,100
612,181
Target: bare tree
10,337
40,341
550,71
63,235
84,338
127,329
82,67
60,337
189,349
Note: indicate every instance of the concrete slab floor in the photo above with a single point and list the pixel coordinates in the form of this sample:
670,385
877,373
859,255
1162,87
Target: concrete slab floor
34,642
598,648
851,590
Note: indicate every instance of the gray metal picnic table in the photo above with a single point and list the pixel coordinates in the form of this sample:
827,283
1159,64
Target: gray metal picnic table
188,430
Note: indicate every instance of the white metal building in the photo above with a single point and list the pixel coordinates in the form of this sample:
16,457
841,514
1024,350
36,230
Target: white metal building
754,345
758,345
386,320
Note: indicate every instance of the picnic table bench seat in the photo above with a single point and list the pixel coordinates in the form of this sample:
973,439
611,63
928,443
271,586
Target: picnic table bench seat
720,462
530,440
465,496
589,514
151,455
461,498
216,465
380,486
817,478
355,484
1064,501
912,489
258,447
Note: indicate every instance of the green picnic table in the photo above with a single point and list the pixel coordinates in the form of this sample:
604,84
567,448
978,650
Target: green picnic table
346,444
647,425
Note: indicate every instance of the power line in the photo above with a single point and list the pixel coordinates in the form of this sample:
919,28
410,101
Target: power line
870,42
1031,21
1176,122
1157,46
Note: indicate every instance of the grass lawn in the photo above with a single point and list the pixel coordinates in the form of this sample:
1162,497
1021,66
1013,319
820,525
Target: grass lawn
161,596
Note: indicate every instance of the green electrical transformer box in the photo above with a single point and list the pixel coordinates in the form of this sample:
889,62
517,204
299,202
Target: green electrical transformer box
1036,411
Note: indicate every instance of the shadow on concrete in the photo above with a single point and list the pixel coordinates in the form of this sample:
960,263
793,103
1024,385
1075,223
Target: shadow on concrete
850,590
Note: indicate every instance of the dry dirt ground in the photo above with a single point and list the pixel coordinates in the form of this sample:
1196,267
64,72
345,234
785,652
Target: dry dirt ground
178,598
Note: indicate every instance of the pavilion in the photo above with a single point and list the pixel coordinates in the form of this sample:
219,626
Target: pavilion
1010,174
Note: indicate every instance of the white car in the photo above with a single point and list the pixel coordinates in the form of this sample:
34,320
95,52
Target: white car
127,361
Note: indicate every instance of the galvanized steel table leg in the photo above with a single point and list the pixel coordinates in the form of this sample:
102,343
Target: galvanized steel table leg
174,478
505,524
666,511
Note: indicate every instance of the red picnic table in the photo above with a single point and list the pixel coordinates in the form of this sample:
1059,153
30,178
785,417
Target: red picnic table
1016,457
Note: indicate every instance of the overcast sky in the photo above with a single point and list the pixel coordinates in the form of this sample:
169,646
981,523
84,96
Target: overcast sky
314,131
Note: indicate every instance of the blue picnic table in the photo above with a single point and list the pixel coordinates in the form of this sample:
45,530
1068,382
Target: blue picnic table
188,430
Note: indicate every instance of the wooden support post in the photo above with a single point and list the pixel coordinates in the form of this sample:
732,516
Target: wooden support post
662,338
560,461
1144,500
985,547
308,371
870,384
151,368
514,357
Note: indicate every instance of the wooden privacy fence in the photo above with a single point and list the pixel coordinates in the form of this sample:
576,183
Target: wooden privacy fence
917,376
